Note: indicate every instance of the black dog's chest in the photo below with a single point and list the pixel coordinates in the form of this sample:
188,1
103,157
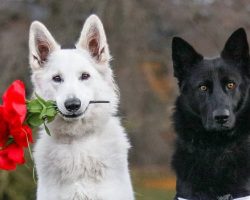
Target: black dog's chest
215,170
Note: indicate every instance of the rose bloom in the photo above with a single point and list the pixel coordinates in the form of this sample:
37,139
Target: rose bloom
14,134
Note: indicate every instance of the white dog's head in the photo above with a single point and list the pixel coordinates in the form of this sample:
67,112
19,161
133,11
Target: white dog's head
74,77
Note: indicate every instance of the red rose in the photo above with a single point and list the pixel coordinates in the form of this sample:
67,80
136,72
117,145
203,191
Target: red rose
10,156
14,113
4,134
21,134
14,103
15,131
14,134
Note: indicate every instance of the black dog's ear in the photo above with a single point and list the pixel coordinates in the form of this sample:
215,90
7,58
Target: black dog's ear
236,47
184,56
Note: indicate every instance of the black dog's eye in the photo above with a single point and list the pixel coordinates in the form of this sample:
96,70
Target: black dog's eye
203,88
84,76
57,78
231,85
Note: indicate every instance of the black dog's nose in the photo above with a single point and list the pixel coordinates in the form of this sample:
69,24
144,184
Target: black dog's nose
221,116
73,104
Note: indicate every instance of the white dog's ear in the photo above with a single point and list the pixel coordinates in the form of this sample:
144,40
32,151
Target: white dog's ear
94,40
41,44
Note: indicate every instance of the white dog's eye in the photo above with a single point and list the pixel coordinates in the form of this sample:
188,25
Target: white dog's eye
84,76
57,78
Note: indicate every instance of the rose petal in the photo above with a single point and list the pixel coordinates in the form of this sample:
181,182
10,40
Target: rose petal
19,136
22,135
14,102
6,164
4,134
15,153
11,156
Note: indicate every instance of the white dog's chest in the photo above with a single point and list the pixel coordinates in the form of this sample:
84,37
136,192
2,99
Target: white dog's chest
74,161
87,168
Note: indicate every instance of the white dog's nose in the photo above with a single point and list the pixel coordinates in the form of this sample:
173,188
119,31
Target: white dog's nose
73,104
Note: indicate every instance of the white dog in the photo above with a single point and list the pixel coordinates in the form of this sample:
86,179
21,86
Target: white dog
85,158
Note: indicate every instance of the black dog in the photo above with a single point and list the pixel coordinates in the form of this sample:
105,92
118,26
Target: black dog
212,121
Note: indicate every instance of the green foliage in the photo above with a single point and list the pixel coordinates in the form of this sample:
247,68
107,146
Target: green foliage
40,112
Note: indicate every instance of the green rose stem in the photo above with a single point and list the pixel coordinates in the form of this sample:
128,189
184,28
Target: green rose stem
42,112
31,156
39,112
91,102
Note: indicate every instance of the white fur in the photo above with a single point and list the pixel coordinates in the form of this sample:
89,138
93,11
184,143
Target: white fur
84,158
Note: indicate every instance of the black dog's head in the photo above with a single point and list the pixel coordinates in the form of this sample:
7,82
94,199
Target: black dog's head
216,89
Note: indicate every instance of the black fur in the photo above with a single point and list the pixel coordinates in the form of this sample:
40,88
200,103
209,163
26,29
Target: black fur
212,157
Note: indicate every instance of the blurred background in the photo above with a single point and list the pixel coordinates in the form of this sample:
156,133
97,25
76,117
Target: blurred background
139,33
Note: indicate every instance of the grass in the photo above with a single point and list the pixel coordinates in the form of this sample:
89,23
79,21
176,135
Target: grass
149,184
153,184
153,194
